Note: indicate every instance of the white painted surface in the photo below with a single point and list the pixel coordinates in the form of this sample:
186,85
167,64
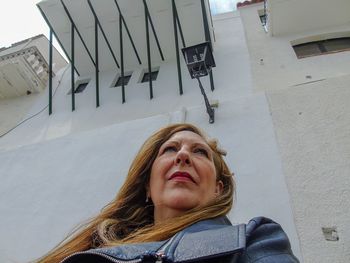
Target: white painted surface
311,120
280,67
42,44
312,125
24,67
12,111
296,16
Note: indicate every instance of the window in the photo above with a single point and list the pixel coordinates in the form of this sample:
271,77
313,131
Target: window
263,18
339,44
121,80
322,47
147,75
81,87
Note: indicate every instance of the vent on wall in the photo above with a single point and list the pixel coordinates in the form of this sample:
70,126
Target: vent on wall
147,76
81,87
120,81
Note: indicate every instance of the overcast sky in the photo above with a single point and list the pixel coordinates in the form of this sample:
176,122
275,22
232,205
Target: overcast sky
21,19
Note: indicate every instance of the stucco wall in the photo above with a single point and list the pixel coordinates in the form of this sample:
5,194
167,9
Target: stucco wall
295,16
59,61
42,43
274,63
312,123
308,102
12,111
17,109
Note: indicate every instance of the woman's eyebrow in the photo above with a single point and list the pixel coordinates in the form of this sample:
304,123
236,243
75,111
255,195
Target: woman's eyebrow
171,142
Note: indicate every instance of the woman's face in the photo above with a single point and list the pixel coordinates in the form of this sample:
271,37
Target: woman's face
183,176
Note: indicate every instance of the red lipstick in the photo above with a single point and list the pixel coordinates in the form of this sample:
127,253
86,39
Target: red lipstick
181,176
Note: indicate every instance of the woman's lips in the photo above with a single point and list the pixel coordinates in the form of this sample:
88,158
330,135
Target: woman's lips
181,176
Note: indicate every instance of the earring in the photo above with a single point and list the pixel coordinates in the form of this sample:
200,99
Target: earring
147,199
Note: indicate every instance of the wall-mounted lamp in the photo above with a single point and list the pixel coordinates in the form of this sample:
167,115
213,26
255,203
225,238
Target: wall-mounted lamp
199,59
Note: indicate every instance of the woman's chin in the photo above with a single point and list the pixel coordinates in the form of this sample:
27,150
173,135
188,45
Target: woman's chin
182,202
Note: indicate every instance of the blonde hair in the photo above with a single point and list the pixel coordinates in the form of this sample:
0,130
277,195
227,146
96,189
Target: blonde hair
128,219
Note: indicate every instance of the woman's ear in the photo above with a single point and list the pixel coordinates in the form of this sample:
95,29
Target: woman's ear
219,188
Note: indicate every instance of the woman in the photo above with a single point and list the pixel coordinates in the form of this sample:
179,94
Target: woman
172,208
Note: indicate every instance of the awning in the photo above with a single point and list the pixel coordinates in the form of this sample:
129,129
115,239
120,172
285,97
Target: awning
62,14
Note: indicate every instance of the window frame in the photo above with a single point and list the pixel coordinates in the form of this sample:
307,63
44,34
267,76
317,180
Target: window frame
322,48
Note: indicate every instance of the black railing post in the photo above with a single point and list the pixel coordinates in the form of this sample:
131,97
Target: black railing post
122,55
207,38
180,27
50,73
177,48
148,53
153,30
97,66
103,33
58,40
210,110
72,67
78,32
129,35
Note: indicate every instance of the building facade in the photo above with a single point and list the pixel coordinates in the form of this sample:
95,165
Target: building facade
279,86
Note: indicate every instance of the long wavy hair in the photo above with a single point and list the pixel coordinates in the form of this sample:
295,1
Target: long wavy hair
129,219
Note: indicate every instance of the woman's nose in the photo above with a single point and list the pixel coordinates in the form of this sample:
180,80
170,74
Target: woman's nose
183,158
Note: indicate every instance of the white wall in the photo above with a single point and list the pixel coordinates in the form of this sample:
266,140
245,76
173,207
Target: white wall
312,126
280,66
42,44
295,16
311,121
12,111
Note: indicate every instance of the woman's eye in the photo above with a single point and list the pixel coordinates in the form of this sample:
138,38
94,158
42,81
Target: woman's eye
201,151
170,149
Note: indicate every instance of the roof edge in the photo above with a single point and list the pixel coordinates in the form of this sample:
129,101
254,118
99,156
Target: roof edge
246,3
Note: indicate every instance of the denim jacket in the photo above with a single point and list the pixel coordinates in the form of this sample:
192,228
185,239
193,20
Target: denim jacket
209,241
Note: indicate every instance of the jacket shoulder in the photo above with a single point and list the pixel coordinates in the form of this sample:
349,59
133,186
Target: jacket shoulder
266,242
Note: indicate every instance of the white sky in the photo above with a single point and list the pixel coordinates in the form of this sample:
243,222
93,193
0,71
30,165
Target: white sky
223,6
21,19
